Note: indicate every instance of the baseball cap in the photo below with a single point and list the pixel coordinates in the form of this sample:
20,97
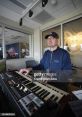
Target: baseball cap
53,34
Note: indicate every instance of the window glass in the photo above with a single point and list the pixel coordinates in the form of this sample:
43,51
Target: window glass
17,44
73,41
73,36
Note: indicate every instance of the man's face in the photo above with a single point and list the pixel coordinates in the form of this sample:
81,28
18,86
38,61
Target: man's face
52,42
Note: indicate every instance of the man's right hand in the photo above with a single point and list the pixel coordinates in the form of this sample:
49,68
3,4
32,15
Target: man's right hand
25,71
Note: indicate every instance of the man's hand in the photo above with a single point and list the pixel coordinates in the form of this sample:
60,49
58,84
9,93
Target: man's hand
25,71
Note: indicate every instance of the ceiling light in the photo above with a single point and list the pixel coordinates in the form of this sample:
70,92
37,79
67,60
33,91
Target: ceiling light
44,2
30,13
20,22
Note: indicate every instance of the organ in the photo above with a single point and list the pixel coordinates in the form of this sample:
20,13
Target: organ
32,98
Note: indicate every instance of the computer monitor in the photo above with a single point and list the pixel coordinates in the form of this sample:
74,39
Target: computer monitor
2,65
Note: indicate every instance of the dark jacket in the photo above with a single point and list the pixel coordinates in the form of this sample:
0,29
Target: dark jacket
56,60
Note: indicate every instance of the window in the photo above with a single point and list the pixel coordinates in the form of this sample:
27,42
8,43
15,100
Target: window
17,44
73,36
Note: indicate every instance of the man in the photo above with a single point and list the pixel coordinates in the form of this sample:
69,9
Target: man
55,59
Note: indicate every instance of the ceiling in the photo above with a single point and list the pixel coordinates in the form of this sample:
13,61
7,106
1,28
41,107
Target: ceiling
54,9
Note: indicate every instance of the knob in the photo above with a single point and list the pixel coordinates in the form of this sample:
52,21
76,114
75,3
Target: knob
25,89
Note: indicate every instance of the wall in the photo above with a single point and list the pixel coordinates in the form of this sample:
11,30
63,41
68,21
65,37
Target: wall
37,44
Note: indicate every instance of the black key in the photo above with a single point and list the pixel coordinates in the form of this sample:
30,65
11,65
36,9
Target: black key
37,89
40,91
34,88
55,99
51,97
46,94
43,93
26,82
